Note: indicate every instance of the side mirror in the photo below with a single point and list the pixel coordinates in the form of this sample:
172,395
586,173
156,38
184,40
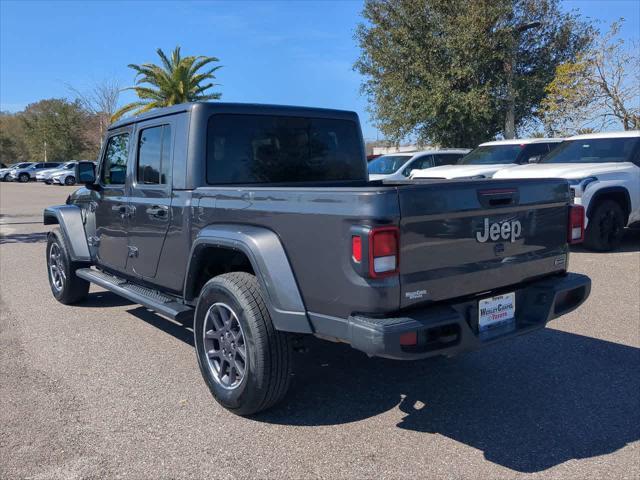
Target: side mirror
535,159
86,173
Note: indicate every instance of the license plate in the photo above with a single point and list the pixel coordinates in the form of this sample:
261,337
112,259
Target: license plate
496,311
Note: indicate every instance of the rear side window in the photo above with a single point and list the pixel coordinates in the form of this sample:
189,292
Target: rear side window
245,149
114,170
447,158
154,155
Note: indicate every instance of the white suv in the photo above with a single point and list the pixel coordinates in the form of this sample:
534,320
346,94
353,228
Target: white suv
603,171
489,157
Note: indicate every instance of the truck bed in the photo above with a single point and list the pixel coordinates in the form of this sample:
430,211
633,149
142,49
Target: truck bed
440,257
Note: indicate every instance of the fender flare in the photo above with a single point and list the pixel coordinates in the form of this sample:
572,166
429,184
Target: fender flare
69,217
604,191
270,264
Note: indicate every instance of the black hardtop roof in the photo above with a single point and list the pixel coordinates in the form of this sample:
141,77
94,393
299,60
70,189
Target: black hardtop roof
245,108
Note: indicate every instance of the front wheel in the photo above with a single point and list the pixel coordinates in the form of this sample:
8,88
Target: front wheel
606,227
244,360
65,285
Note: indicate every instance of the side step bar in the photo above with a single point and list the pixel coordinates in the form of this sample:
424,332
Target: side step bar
152,299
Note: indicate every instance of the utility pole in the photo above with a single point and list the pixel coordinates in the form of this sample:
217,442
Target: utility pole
510,118
45,150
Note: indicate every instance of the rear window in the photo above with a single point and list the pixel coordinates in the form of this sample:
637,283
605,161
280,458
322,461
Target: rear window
245,149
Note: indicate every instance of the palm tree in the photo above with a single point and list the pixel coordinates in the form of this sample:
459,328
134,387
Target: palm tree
176,81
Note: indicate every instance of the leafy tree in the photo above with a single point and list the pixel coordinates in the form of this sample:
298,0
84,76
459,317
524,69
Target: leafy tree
450,72
12,139
57,127
175,81
601,87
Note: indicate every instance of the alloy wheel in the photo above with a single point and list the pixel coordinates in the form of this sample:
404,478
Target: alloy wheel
225,346
56,267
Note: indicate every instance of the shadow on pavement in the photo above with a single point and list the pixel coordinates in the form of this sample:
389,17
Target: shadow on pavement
529,404
104,299
24,237
181,332
630,243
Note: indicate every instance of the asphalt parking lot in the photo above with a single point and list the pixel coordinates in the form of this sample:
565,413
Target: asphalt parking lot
109,389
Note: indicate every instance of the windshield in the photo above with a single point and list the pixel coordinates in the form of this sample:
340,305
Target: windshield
69,166
387,164
22,165
492,154
595,150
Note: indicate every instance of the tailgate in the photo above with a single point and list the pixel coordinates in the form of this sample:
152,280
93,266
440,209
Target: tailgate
463,237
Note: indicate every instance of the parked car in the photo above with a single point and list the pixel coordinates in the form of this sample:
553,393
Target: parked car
66,176
259,224
603,170
45,175
29,173
489,157
398,166
4,173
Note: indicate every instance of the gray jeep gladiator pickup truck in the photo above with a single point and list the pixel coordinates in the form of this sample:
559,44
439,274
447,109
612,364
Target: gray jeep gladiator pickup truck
259,223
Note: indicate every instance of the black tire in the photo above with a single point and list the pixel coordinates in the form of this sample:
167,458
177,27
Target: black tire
5,178
606,227
267,370
70,180
72,289
23,178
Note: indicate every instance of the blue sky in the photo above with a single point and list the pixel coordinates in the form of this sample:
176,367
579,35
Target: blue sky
290,52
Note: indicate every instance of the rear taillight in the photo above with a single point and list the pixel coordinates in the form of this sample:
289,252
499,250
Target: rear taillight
575,233
356,248
375,251
384,258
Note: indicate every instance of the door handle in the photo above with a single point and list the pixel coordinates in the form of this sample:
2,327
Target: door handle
124,210
159,211
121,209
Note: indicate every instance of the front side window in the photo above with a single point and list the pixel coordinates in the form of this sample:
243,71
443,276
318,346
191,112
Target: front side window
114,170
422,162
594,150
387,164
154,155
492,155
245,149
534,150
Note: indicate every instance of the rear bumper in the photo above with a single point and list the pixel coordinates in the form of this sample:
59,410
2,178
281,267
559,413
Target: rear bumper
452,328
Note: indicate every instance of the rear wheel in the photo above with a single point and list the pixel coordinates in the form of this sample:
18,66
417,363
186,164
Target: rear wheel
23,177
66,287
70,180
244,360
606,227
